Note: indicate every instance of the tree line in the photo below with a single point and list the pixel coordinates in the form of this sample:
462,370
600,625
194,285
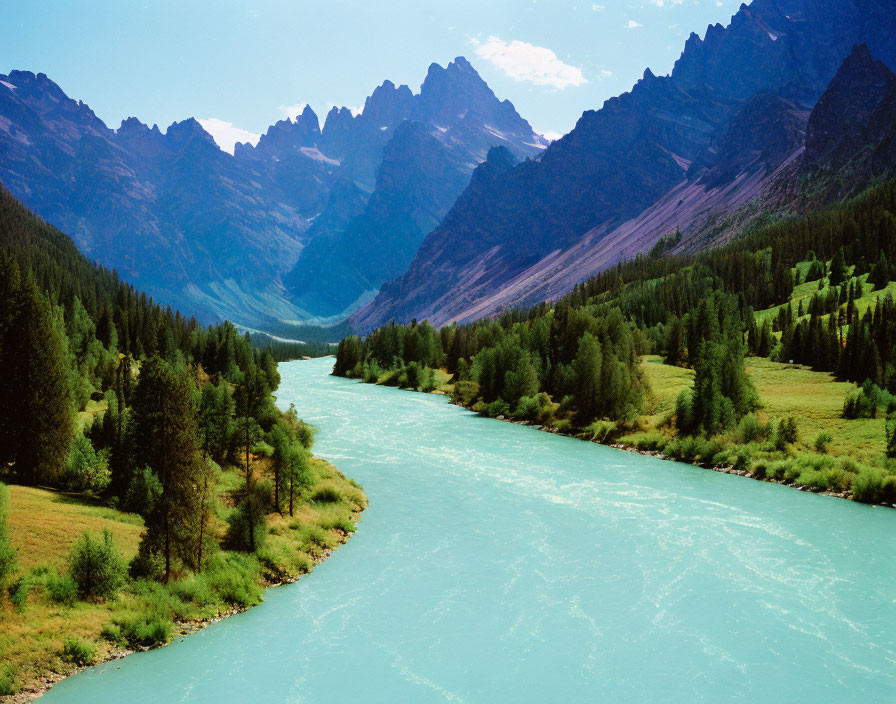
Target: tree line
172,401
697,310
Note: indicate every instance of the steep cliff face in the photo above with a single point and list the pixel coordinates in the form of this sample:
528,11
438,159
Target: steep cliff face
436,138
675,152
348,261
164,209
219,234
847,134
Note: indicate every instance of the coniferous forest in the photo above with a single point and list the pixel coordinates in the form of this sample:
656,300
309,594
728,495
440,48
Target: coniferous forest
575,365
132,409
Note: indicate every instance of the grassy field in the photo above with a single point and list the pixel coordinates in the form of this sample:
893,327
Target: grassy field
45,524
815,399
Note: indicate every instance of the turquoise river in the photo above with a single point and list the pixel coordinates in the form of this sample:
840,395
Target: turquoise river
498,563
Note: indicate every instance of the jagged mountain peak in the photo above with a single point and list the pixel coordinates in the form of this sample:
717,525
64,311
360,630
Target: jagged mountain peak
388,104
47,99
133,125
860,58
840,121
543,225
179,134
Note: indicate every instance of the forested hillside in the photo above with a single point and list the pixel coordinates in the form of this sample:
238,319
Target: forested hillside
140,414
811,290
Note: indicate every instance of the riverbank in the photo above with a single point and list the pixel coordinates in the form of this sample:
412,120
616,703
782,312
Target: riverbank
45,637
831,455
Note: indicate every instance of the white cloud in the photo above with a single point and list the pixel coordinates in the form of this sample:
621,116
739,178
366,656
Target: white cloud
226,135
667,3
632,24
291,111
604,73
526,62
598,8
551,135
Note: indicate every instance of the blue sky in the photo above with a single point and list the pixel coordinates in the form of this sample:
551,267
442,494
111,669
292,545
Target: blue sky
249,63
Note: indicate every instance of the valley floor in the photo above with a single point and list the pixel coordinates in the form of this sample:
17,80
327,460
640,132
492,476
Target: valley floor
35,628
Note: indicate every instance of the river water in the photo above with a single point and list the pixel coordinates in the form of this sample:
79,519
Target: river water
497,563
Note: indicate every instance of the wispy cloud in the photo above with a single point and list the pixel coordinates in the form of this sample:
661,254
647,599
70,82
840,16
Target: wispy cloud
522,61
226,135
632,24
291,111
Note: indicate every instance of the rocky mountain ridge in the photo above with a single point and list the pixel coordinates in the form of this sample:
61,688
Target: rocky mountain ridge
689,152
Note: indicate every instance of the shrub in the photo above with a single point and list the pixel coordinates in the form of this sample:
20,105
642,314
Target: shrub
563,425
247,524
85,469
194,590
785,433
143,492
78,652
739,457
864,401
326,495
262,449
759,469
111,632
234,578
601,430
62,589
340,523
750,429
160,600
684,416
315,536
874,486
526,409
6,687
18,593
496,408
648,442
777,470
305,434
96,567
822,440
145,630
147,563
412,376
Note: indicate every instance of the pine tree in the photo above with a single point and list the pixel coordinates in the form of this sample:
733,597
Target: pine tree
164,436
587,366
880,274
839,271
38,427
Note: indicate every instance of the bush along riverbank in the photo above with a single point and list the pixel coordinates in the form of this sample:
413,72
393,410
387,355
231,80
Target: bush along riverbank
72,602
819,452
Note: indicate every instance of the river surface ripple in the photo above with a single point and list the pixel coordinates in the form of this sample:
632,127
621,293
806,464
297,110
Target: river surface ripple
497,563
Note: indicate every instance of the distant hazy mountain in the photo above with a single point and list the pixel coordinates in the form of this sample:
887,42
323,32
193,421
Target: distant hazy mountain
218,234
441,135
172,212
686,152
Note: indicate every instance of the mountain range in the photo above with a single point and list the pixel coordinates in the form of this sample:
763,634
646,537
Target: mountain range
444,204
700,152
223,235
